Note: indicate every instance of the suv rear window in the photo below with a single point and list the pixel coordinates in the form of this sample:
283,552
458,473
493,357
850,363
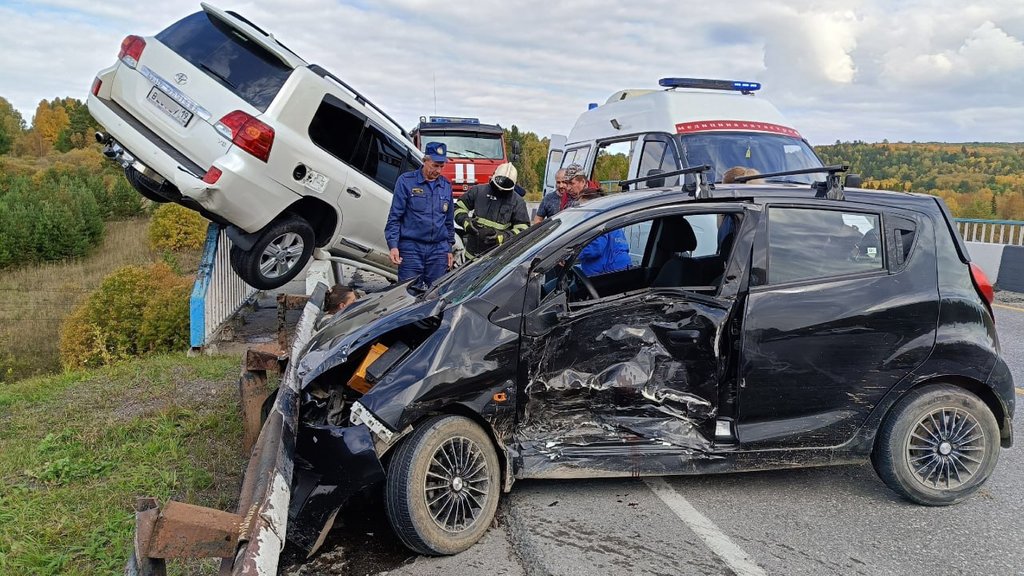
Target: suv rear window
226,55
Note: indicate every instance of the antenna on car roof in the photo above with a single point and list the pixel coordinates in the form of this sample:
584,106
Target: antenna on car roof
831,188
702,190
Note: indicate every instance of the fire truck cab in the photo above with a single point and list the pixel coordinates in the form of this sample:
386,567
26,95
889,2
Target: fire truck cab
688,122
474,149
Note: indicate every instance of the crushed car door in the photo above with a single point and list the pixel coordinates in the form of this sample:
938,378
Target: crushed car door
626,384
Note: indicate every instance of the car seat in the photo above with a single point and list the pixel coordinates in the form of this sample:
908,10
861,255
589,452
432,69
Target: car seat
675,243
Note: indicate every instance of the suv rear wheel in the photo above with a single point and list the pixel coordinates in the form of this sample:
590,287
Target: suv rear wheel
938,446
278,255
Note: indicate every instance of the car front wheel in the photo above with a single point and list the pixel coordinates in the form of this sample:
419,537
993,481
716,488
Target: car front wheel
443,486
938,446
278,255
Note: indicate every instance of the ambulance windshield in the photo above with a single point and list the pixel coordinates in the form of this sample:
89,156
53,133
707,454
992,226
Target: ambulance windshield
761,151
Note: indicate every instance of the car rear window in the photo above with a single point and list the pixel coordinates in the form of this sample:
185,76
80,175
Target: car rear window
807,243
229,57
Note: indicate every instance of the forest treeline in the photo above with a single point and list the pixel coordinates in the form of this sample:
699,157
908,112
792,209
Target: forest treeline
977,180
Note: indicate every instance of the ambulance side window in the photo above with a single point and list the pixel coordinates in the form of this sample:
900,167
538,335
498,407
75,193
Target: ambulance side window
576,156
657,155
613,162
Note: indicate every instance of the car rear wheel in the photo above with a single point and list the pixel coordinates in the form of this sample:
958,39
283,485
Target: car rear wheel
145,186
278,255
443,486
938,446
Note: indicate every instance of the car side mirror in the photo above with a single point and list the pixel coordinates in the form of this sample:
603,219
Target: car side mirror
853,181
514,158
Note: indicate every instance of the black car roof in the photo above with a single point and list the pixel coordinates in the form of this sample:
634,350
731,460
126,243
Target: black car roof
757,194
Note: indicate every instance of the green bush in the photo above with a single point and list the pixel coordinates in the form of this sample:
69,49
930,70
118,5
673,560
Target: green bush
115,197
175,228
52,220
135,311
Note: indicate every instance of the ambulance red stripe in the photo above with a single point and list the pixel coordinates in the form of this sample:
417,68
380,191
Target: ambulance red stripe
742,125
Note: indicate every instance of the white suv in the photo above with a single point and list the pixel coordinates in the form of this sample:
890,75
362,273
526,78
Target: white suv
215,114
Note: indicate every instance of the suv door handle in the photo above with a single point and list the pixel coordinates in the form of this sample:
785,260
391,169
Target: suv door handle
679,336
354,191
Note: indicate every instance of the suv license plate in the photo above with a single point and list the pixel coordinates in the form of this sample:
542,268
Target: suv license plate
165,103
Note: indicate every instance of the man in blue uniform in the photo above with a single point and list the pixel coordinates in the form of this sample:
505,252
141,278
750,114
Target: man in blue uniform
421,230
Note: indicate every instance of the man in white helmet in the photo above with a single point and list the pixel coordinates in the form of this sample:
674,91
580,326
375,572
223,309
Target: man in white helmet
491,213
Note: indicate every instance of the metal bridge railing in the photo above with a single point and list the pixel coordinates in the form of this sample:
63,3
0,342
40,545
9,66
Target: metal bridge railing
1009,232
218,292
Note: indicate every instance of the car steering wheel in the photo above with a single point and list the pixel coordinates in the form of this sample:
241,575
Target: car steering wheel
586,283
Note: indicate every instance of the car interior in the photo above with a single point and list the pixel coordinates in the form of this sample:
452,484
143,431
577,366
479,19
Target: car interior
687,252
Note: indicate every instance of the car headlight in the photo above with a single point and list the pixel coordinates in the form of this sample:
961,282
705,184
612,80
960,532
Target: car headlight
360,415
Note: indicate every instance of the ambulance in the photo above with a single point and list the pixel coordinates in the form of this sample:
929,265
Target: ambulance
688,122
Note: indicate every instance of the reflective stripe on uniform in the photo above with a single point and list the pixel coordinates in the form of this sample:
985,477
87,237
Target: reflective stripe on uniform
460,208
519,228
491,224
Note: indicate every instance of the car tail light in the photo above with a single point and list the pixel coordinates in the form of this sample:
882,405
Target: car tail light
982,284
131,50
212,175
247,133
96,85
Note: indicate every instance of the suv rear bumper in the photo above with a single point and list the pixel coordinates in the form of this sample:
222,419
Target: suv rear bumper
234,199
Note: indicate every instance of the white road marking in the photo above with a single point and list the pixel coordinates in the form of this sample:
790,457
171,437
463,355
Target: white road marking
734,557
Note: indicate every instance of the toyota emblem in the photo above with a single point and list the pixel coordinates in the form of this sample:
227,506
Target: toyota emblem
181,78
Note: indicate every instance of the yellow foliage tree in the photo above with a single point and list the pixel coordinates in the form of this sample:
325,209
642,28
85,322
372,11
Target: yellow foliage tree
50,120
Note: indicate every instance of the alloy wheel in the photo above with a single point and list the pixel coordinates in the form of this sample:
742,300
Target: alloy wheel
945,449
457,484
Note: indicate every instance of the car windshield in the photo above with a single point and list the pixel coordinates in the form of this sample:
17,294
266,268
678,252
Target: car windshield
760,151
479,275
468,145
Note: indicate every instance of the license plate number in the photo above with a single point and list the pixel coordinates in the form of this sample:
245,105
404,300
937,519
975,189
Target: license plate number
315,181
165,103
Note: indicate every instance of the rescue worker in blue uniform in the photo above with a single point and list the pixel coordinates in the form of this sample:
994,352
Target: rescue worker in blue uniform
420,230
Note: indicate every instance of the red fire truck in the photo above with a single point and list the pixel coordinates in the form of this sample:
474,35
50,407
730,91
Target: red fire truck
474,149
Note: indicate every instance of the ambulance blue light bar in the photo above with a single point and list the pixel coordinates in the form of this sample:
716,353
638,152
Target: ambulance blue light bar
708,84
453,120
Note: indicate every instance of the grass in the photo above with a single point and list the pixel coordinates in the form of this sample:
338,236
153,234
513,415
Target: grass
77,448
36,299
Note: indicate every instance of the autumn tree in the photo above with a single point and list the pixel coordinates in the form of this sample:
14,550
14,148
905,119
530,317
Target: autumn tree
50,119
81,126
12,125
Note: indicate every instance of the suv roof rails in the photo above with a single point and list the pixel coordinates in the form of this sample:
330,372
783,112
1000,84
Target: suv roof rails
702,191
323,73
831,188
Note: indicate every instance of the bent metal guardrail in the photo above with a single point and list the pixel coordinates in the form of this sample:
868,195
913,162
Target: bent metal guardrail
249,541
1009,232
218,292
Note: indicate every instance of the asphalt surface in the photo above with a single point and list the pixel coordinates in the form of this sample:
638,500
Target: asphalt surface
836,520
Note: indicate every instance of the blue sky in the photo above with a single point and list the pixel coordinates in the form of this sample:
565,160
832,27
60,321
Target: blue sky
924,70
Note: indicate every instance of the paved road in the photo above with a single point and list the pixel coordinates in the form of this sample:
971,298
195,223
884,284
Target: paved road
839,520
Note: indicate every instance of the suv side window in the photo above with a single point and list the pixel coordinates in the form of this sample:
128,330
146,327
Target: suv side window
337,129
658,155
383,161
808,243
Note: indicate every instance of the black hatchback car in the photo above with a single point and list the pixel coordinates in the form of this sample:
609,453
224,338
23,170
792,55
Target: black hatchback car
764,327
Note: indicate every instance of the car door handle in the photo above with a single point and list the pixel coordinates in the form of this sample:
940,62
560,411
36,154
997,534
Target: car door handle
679,336
354,191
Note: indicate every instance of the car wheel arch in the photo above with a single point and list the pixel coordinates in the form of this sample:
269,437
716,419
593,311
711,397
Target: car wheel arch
458,409
321,216
979,389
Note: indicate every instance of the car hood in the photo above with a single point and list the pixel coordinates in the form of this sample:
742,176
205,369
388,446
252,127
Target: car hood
363,321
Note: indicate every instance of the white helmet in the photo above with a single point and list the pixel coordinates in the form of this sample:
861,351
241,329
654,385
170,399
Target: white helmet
504,177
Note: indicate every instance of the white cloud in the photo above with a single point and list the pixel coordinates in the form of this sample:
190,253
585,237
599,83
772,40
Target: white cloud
841,69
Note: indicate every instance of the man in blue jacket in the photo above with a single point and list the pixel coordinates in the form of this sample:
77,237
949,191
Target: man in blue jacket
420,230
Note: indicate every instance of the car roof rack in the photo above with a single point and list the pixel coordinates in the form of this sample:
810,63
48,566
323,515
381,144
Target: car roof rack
831,188
701,191
323,73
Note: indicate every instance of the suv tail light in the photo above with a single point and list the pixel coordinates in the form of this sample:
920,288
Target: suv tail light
131,50
247,133
982,284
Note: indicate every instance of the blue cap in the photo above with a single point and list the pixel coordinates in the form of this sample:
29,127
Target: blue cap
437,152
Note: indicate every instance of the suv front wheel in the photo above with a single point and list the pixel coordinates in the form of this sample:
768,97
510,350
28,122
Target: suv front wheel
280,252
938,446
